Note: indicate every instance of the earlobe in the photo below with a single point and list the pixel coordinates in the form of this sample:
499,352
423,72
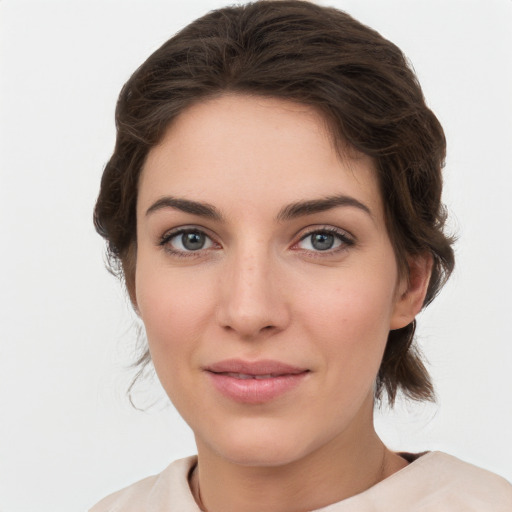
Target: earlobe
135,306
132,293
133,298
129,262
413,291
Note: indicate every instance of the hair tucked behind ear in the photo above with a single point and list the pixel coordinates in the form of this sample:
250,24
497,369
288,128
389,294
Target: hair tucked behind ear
321,57
402,362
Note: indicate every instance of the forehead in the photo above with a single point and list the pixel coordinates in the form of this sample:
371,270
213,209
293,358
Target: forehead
254,150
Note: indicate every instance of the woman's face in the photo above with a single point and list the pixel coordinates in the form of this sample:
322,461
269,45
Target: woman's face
265,279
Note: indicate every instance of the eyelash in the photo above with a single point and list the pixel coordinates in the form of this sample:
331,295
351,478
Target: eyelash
345,241
167,237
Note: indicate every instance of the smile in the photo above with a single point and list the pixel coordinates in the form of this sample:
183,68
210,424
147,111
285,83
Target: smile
254,382
248,376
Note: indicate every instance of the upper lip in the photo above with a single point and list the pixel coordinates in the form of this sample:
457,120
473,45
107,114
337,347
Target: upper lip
261,367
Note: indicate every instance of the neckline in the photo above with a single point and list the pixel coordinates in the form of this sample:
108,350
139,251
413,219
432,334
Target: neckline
414,461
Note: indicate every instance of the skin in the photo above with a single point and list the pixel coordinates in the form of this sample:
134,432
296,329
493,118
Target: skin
259,289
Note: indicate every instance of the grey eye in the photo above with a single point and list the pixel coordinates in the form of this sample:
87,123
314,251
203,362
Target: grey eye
188,241
193,241
319,241
322,241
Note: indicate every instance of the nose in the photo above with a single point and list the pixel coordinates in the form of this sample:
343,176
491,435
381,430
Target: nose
252,300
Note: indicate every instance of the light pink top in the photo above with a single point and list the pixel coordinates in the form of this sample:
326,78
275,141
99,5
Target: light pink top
435,482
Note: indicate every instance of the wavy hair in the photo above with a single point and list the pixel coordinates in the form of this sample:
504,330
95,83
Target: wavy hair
321,57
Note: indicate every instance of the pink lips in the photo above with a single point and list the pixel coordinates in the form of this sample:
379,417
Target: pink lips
254,382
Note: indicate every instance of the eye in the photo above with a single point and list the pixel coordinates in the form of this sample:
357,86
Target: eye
323,240
186,241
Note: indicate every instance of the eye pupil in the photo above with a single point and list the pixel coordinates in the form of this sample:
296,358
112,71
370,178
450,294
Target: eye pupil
322,241
193,241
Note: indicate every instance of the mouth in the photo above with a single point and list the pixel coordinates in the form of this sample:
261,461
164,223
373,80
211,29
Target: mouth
244,376
255,382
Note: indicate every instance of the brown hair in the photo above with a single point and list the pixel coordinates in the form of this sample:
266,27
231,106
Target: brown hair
296,50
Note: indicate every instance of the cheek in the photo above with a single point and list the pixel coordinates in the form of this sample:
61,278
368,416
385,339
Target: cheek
356,305
174,314
351,323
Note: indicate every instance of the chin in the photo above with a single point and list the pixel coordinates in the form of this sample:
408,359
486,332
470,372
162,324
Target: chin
263,445
257,456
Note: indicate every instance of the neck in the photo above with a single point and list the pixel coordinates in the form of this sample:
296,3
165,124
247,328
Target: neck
336,471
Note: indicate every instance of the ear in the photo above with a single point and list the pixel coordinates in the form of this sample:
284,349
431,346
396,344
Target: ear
129,263
133,299
412,290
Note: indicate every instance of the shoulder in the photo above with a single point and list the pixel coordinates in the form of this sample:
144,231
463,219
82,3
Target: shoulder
484,487
441,480
168,490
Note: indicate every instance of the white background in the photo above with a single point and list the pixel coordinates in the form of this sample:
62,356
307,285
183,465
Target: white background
68,435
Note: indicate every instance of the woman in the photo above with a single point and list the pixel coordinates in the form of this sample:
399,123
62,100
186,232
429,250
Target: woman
273,204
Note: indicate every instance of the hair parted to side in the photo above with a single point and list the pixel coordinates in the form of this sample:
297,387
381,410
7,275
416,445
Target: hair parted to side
321,57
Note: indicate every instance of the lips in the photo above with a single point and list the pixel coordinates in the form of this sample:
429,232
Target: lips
250,376
254,382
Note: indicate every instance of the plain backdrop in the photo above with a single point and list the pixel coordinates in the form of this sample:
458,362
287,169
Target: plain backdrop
68,435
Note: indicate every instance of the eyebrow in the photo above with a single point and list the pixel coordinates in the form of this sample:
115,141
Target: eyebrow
291,211
303,208
185,205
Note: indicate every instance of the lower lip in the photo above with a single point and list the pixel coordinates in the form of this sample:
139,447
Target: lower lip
255,391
